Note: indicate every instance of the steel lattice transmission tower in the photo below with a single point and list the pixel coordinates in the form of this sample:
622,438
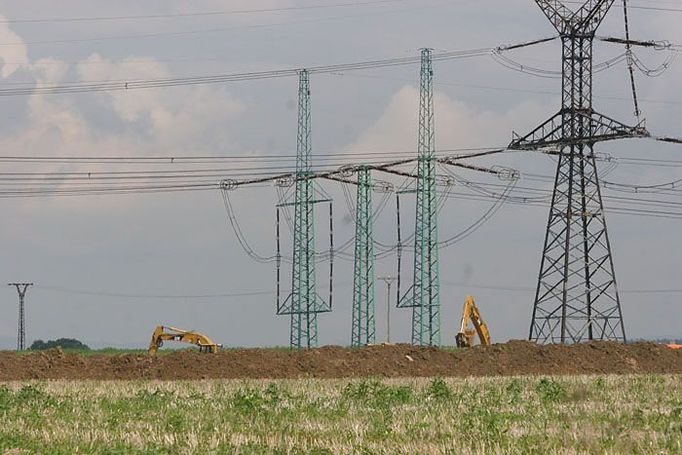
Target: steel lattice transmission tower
577,297
364,322
424,295
21,329
304,303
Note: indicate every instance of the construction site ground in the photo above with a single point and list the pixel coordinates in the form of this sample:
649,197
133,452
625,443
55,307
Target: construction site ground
512,358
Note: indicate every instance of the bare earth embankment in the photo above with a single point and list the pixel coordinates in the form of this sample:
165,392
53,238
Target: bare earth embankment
513,358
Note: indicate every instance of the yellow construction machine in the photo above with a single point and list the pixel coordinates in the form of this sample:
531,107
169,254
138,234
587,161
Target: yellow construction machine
465,337
164,333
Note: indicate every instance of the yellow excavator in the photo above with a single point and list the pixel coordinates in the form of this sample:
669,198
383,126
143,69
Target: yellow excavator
465,337
164,333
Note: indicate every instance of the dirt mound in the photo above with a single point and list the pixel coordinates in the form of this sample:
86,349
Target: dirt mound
513,358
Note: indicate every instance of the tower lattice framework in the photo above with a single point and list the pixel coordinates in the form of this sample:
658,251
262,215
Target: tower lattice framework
364,322
304,303
22,288
577,297
424,294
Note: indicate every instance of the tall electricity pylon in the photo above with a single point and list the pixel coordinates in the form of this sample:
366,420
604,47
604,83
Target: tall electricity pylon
21,329
577,297
424,295
303,304
364,322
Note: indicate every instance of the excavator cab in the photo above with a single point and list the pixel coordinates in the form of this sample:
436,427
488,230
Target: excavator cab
164,333
465,336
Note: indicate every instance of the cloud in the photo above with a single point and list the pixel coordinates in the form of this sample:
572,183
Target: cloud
458,125
172,118
49,70
154,122
13,54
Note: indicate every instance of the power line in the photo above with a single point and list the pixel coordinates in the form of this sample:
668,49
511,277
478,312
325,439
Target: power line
280,155
137,84
529,202
259,293
197,14
529,289
640,7
625,205
152,296
201,31
247,12
505,89
177,173
108,86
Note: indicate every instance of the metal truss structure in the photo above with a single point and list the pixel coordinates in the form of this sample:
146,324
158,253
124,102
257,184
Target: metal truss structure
364,322
577,297
424,294
304,303
21,329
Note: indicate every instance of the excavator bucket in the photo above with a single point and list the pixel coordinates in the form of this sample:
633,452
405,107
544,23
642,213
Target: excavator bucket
465,337
462,340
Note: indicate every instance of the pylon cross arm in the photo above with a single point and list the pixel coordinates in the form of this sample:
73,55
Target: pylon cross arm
585,20
601,128
590,16
556,12
605,128
549,132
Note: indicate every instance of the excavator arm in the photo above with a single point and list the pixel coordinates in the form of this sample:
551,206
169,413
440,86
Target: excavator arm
465,337
164,333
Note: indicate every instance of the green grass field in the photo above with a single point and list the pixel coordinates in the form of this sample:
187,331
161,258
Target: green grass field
636,414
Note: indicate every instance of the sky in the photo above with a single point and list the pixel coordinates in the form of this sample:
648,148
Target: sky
109,268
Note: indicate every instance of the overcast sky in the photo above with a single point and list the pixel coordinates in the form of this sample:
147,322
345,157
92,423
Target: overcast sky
81,250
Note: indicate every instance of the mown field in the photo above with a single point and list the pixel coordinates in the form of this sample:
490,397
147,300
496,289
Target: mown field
595,414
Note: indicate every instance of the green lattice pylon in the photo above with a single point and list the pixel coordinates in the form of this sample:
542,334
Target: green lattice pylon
424,295
364,330
303,304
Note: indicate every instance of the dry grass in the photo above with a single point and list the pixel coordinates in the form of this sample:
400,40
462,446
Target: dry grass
637,414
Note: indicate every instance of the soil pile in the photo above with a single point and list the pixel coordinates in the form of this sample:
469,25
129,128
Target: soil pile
512,358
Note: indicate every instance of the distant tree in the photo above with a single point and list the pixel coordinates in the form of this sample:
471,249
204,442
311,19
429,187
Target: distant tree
38,345
64,343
